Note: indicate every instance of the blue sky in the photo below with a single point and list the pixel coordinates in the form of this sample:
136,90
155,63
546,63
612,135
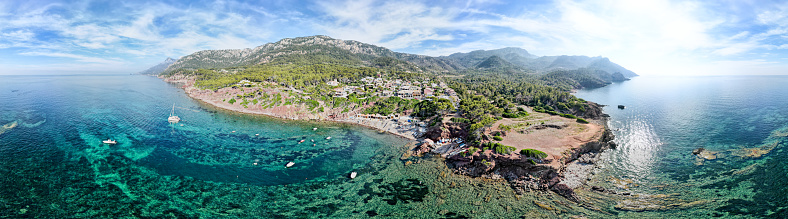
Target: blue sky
648,37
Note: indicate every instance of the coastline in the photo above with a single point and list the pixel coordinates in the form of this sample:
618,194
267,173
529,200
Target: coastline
287,112
562,174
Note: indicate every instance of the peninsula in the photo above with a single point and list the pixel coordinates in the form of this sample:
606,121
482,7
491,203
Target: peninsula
492,113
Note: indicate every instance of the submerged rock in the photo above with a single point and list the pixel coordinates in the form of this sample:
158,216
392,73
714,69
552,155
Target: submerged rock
697,151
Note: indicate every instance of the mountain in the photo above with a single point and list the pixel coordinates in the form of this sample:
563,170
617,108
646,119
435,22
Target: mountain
605,64
311,49
516,56
530,63
493,62
324,49
159,68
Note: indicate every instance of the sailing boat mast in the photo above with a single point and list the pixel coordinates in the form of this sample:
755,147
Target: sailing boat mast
173,118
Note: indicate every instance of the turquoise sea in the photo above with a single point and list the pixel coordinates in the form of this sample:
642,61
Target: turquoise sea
739,118
53,164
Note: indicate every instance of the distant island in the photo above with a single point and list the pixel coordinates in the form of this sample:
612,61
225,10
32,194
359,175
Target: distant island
501,113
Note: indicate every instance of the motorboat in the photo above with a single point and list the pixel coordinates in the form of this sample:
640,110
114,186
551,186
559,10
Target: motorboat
328,138
353,175
289,164
109,141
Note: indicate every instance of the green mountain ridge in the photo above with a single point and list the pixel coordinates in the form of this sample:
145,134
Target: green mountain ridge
309,49
324,49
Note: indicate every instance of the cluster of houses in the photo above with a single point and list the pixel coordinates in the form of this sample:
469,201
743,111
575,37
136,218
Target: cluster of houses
419,90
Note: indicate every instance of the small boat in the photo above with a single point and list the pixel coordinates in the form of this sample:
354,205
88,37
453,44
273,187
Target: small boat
302,140
256,134
314,129
233,131
109,141
289,164
328,138
313,140
353,175
621,106
173,118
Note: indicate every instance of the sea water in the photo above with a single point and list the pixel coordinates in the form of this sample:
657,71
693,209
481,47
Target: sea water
216,163
743,120
213,163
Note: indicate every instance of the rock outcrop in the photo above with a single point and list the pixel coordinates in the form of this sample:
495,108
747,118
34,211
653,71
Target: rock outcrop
527,173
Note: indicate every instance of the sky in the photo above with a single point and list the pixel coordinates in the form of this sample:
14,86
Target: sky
649,37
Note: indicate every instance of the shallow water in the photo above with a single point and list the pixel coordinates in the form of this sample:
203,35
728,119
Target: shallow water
667,117
53,164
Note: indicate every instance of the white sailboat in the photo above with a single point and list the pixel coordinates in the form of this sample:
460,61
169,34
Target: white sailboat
173,118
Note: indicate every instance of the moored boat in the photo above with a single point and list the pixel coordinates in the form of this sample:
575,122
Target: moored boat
173,118
353,175
109,141
289,164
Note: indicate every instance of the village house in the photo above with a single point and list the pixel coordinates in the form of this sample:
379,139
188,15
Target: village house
245,83
405,94
340,92
428,92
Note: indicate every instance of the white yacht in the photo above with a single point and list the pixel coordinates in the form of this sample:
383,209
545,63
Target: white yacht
109,141
289,164
353,175
173,118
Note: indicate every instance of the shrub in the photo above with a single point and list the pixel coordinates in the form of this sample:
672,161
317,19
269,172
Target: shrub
498,138
509,115
533,153
569,116
460,120
232,101
472,150
503,149
532,161
499,148
581,120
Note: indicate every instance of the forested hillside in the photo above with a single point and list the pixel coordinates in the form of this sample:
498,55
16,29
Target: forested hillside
325,73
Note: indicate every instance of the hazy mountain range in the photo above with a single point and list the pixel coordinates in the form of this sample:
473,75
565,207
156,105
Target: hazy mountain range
312,48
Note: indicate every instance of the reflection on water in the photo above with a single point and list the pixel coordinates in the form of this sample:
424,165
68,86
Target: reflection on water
638,146
666,118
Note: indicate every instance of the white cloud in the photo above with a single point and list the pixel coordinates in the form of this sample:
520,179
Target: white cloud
392,24
79,58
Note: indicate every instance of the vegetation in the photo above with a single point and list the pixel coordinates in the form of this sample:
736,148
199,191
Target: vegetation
499,148
498,138
533,153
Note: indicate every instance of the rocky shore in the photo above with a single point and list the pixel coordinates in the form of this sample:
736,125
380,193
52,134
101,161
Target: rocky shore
527,173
